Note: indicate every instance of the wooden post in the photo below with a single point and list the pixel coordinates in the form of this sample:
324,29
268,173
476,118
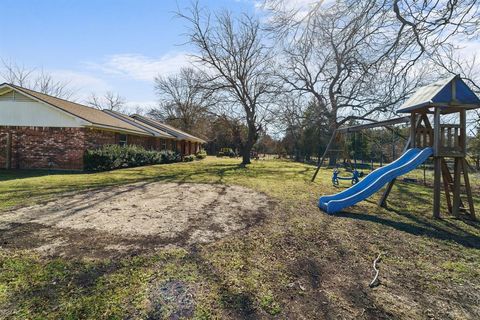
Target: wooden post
456,187
437,133
320,161
447,181
463,132
437,165
468,188
413,128
8,155
437,186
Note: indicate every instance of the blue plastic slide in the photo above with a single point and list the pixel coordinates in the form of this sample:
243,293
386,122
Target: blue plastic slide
373,182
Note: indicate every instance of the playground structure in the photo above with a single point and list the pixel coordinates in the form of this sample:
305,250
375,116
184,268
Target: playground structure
448,97
343,131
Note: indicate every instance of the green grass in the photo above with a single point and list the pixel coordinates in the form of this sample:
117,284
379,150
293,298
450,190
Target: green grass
298,261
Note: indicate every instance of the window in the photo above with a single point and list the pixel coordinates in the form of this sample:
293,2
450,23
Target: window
122,140
174,145
164,144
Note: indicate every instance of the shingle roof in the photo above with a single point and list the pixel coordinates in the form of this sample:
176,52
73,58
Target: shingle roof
94,116
110,119
144,126
440,93
179,134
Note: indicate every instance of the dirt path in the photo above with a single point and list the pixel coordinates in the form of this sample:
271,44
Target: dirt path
133,217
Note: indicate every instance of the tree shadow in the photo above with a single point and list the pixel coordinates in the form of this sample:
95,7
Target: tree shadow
16,174
430,230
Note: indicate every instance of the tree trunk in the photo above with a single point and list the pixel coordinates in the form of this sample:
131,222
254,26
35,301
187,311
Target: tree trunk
245,157
332,156
248,145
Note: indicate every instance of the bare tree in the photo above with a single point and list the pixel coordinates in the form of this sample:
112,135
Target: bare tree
36,80
339,58
433,24
109,101
234,54
367,47
452,62
183,99
16,74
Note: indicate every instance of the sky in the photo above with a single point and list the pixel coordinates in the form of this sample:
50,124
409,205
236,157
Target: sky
100,45
108,45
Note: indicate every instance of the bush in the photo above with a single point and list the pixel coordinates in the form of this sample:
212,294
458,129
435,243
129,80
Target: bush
202,154
111,157
189,158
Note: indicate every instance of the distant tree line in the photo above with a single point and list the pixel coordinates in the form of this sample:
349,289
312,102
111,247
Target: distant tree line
303,72
283,80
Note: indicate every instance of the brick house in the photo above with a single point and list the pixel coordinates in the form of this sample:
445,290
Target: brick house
41,131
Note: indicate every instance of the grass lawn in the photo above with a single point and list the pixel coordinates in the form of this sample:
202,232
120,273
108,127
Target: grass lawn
297,264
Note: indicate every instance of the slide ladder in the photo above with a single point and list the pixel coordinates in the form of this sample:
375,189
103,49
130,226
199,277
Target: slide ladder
373,182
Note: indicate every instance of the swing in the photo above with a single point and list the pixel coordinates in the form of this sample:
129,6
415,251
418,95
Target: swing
354,178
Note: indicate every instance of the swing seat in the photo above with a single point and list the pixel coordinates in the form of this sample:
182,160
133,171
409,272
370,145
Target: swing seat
353,178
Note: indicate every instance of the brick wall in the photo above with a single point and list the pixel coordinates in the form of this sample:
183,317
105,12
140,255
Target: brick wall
43,147
96,138
63,148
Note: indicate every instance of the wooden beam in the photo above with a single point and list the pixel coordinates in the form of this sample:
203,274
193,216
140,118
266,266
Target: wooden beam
437,162
456,187
468,188
383,200
414,122
463,131
320,162
376,124
447,180
437,133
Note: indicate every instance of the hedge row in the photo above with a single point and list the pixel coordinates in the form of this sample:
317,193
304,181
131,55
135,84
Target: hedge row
111,157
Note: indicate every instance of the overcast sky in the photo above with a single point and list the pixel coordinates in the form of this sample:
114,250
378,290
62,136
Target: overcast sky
99,45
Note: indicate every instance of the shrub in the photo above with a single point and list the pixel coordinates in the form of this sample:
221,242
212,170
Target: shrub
111,157
226,152
189,158
202,154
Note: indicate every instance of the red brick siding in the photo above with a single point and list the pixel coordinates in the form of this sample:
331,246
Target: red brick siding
43,147
98,138
95,139
63,148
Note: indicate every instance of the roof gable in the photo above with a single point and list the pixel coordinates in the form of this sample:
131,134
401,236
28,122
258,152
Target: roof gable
446,92
17,109
97,118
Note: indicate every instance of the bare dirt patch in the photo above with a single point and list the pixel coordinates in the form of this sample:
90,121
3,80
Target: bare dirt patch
132,218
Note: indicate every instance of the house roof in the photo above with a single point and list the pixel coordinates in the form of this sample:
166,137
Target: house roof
107,119
142,125
448,92
97,118
177,133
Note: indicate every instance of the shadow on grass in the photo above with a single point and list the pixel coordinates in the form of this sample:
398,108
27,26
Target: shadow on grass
6,175
419,225
21,193
46,295
430,230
